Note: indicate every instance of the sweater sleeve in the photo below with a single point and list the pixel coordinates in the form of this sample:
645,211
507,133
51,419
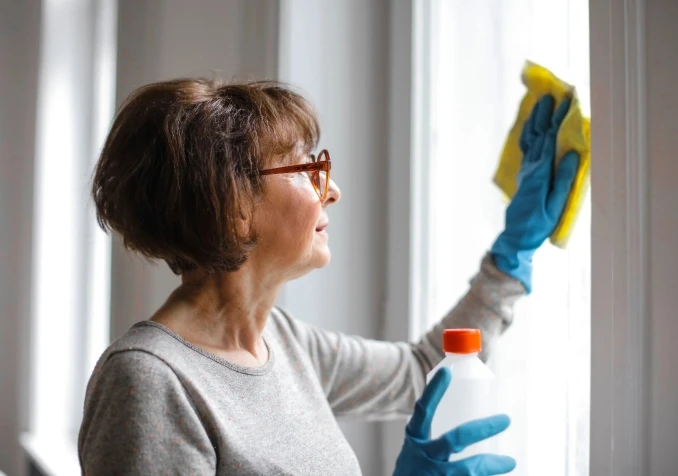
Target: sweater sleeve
488,306
138,419
376,380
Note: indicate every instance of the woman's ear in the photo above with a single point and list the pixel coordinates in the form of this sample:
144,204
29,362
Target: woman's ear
246,221
243,224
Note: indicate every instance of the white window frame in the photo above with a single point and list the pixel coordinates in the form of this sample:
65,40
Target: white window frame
619,247
619,254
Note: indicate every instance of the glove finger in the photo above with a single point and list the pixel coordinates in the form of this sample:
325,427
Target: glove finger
529,132
562,184
540,126
419,425
547,156
526,133
456,440
484,465
544,114
561,112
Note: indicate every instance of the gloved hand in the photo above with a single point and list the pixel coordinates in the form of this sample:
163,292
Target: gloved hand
421,456
540,199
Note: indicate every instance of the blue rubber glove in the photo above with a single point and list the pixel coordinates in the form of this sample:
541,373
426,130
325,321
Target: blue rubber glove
421,456
540,199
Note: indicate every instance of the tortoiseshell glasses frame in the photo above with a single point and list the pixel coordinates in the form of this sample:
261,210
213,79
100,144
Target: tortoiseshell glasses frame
321,165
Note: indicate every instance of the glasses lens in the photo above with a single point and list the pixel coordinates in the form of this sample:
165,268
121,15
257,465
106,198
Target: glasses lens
313,175
323,175
315,180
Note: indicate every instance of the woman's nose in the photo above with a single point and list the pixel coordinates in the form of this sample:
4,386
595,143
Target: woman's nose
333,193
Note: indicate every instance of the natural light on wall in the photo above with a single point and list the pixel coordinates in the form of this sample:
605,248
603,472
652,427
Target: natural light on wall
475,52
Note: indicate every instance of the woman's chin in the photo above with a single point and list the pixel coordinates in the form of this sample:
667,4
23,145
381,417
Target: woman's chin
321,255
320,259
324,258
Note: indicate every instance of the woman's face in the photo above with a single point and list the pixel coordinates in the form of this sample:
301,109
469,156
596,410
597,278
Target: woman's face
291,222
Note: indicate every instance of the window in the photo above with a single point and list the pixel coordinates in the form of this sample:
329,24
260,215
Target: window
71,264
469,95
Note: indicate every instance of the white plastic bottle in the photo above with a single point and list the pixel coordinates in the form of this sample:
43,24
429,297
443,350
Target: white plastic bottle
472,392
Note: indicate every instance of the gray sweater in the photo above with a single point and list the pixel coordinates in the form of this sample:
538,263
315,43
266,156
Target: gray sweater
156,404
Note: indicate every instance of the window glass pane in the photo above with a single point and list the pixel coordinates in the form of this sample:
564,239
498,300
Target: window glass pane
477,52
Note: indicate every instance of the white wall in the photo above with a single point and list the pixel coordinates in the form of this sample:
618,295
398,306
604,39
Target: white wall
662,142
19,40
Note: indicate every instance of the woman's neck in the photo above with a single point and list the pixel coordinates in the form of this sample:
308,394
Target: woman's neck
223,313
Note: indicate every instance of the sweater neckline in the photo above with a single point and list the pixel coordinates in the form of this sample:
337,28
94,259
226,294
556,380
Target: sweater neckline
261,370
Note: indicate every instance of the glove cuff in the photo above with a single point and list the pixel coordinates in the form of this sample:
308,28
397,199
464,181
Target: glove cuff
517,264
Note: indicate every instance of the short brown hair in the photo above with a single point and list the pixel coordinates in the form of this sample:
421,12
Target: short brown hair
179,168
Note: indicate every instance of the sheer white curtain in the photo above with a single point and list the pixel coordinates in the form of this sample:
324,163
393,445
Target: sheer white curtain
476,53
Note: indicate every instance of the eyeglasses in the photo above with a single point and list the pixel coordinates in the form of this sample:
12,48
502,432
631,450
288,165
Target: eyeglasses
318,171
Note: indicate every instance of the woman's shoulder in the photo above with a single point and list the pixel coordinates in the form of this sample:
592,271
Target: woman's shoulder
129,393
146,337
143,347
146,348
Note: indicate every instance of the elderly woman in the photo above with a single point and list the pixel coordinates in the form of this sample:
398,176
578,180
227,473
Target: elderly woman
221,182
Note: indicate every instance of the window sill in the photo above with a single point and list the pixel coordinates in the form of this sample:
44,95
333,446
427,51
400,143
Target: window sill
53,455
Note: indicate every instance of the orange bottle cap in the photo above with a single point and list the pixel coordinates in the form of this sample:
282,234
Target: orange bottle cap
462,341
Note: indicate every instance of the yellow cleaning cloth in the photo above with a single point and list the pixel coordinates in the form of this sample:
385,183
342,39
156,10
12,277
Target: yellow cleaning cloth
574,134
